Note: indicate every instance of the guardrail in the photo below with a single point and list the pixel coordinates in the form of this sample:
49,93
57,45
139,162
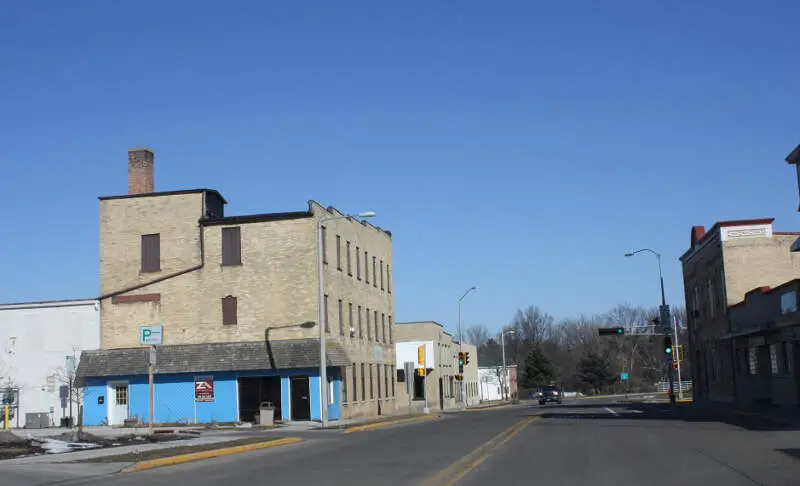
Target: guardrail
663,386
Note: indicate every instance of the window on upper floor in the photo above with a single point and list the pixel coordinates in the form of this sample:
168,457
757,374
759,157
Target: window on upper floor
391,338
325,310
369,329
338,253
360,325
341,318
374,272
358,263
151,253
375,320
324,237
229,311
752,360
388,279
366,266
382,287
352,329
231,246
789,302
349,262
711,305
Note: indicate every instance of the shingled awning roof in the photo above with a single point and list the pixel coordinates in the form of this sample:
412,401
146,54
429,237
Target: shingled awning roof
207,358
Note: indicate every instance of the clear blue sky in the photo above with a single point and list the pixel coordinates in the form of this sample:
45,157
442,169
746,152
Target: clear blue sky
522,146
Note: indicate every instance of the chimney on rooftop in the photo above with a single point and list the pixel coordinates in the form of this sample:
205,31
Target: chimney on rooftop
140,171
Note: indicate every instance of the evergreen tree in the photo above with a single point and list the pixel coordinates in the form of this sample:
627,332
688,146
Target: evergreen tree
538,370
595,370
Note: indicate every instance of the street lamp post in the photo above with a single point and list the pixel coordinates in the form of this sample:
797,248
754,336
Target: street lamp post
505,368
666,319
461,340
323,371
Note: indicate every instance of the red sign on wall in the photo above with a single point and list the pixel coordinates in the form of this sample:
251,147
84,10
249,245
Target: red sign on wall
203,388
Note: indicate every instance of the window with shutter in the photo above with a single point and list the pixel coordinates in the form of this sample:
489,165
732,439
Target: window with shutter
229,311
151,253
231,246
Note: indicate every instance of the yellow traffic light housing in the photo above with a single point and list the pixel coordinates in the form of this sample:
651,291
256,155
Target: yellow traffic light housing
466,358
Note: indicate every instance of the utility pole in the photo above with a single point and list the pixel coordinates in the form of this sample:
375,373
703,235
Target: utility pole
678,357
461,342
150,371
666,321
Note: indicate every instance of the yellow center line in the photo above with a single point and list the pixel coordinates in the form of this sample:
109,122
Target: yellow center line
462,467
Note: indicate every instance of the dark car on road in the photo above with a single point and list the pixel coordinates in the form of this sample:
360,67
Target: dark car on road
549,394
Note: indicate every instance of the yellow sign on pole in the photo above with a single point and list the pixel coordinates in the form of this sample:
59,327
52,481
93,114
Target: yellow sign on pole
421,355
5,424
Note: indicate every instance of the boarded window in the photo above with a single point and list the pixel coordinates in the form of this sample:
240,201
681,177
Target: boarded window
151,253
231,246
229,311
339,253
358,263
382,288
363,383
324,244
360,325
355,384
349,262
350,319
374,272
366,266
383,326
327,324
341,318
371,384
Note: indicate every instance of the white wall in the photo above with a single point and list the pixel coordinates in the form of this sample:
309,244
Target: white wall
489,385
407,351
35,339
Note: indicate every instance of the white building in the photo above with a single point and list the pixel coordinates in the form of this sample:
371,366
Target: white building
491,381
40,342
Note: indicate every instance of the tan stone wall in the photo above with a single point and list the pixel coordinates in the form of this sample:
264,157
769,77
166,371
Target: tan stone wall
362,346
751,263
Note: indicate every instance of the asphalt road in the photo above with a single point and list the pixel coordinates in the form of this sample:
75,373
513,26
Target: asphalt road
586,443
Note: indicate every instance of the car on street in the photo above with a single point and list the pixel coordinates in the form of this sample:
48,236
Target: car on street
550,394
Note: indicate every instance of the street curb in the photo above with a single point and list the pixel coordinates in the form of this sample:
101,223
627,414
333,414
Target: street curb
387,423
198,456
490,407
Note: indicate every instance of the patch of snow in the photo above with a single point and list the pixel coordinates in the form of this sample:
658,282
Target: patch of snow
53,446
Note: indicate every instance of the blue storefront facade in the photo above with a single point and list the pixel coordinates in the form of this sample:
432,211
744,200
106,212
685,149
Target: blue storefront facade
204,395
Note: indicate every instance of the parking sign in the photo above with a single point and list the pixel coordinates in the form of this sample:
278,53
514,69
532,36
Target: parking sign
151,335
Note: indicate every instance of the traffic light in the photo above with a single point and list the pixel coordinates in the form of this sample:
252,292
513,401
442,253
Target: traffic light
421,371
668,345
611,331
459,377
674,366
466,357
461,358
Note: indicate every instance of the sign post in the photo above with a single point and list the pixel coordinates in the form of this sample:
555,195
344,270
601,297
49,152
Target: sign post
151,336
421,359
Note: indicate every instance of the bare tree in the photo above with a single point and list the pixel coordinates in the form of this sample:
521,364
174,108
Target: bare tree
477,334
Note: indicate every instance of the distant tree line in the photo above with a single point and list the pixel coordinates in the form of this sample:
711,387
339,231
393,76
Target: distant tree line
571,354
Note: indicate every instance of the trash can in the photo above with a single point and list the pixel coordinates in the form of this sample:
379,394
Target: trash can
266,414
67,422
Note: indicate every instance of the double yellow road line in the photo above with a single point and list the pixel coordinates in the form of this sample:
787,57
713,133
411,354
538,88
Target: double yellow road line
465,465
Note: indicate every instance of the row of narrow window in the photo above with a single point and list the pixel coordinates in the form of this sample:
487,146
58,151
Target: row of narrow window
351,394
381,273
356,317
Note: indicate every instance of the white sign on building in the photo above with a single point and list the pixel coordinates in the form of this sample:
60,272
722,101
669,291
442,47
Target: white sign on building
407,351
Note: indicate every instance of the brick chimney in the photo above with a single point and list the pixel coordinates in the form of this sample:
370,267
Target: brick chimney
140,171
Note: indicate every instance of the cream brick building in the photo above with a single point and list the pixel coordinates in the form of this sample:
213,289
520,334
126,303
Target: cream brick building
443,389
720,268
244,288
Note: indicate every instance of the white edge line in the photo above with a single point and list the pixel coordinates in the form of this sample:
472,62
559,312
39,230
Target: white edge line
610,411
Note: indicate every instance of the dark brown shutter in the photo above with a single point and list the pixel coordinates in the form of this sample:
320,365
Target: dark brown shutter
231,246
151,253
229,311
